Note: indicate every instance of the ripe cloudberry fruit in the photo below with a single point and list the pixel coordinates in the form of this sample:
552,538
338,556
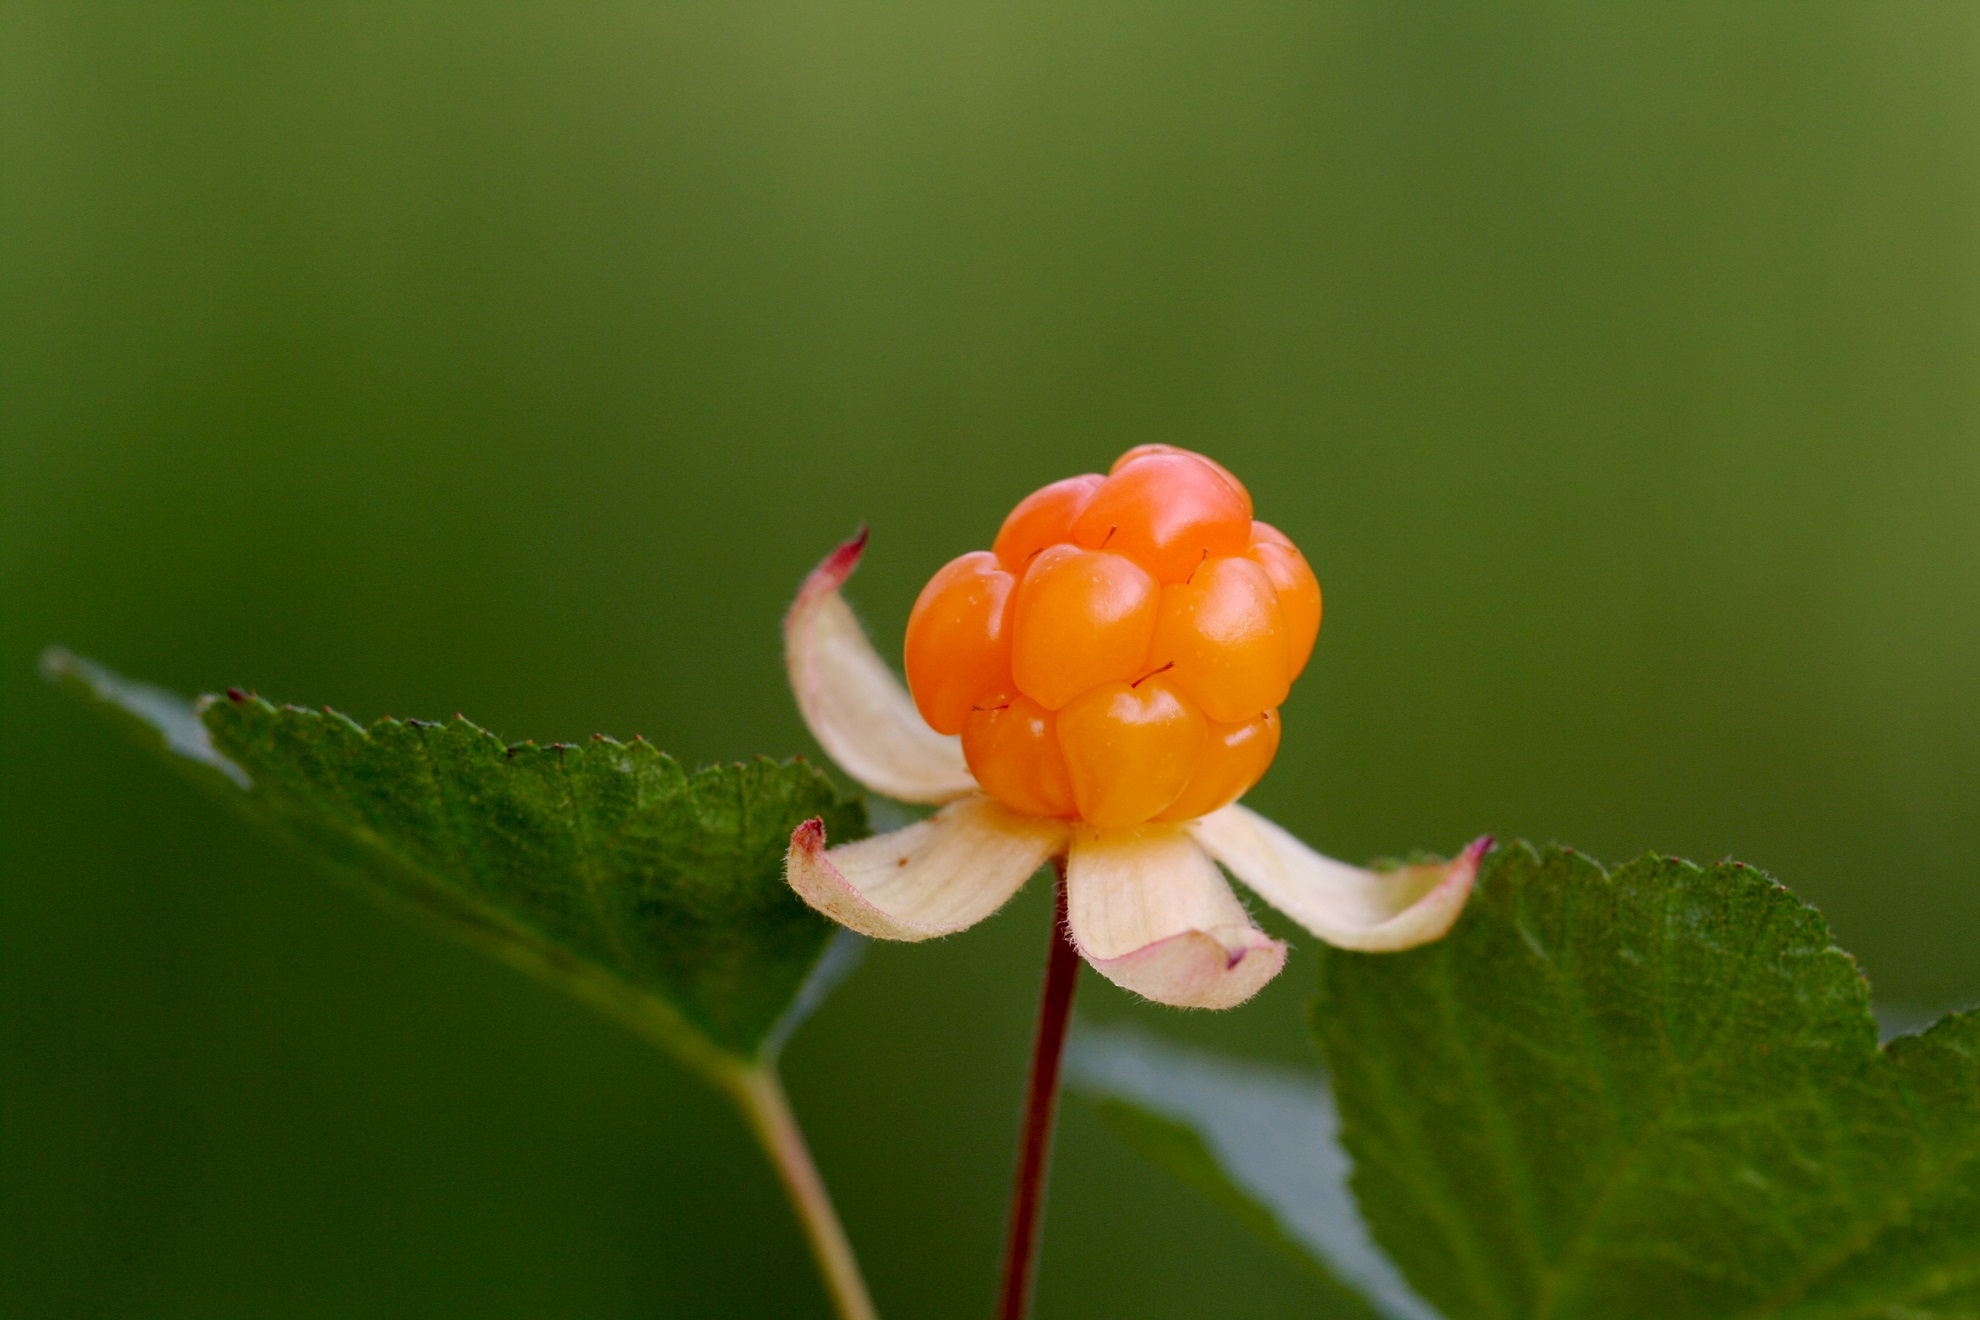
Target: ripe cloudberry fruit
1120,653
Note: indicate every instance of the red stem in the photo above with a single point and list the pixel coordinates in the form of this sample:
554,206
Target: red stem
1041,1105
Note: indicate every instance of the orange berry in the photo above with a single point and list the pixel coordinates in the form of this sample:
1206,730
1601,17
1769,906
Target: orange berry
1130,751
959,639
1082,617
1234,757
1143,451
1166,512
1012,746
1223,638
1299,590
1121,652
1043,518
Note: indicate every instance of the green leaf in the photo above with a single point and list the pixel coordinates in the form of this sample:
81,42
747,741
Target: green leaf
654,894
1653,1092
1257,1141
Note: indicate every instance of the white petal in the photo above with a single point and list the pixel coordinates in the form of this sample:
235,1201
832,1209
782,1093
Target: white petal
1347,906
1149,910
935,877
860,713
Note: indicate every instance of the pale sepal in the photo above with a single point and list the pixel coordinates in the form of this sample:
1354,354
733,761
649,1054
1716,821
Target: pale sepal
860,713
935,877
1350,907
1149,910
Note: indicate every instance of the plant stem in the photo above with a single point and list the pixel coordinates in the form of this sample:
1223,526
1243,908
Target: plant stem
1041,1106
763,1102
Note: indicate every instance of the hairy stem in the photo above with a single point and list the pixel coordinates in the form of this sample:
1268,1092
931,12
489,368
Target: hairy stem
1041,1106
761,1095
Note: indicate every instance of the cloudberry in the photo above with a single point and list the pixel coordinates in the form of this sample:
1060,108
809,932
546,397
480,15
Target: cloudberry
1120,653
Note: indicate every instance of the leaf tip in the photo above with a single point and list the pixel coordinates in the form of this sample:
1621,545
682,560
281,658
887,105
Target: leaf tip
169,716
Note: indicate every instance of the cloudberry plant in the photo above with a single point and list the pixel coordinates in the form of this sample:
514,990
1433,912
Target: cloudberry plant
1120,652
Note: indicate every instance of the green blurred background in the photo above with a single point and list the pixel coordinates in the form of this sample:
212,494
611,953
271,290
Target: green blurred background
1617,366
